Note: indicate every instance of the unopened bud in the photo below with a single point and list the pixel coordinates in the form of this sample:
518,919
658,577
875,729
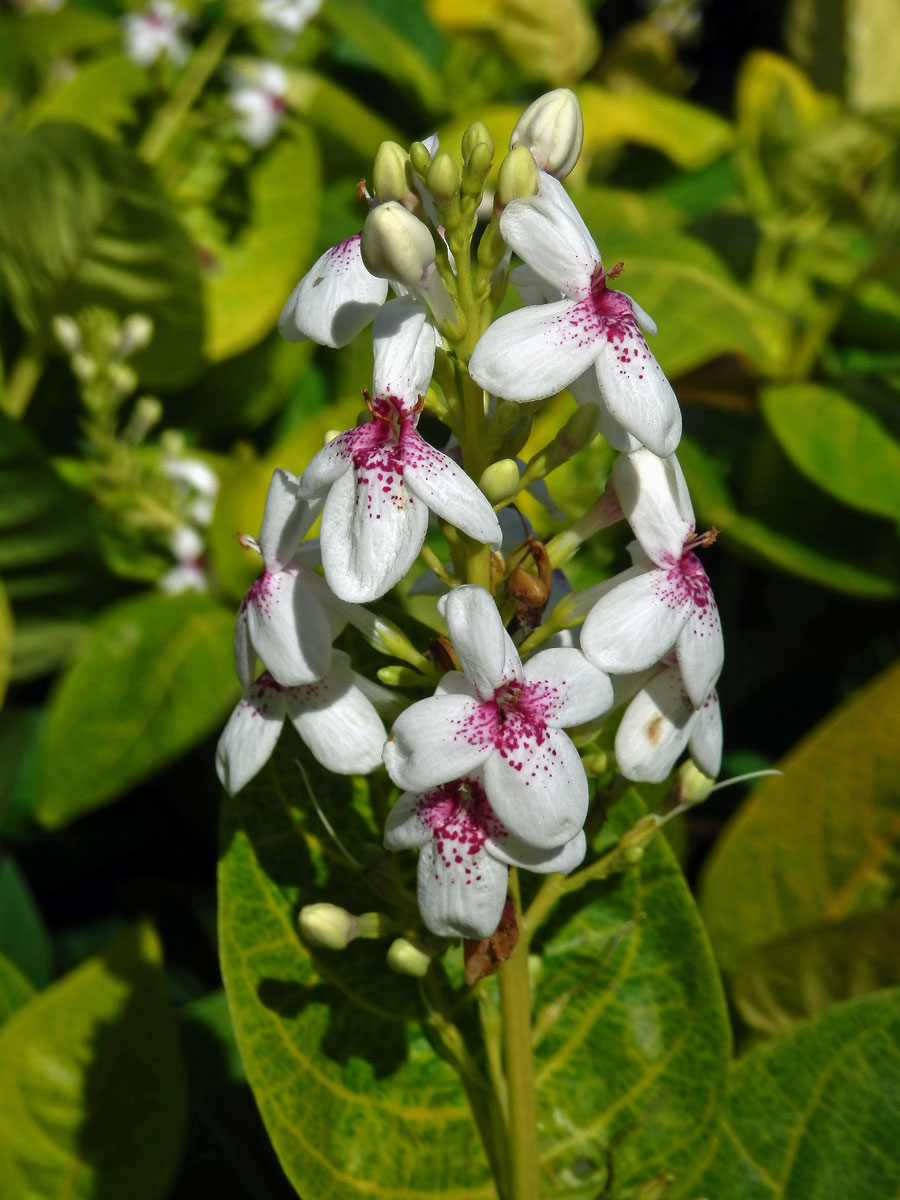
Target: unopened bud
518,177
442,177
693,785
137,330
396,245
389,173
146,413
477,134
67,333
407,958
595,764
477,168
326,925
500,481
552,128
420,156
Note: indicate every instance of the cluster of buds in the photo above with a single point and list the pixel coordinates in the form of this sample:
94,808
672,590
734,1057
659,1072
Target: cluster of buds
488,776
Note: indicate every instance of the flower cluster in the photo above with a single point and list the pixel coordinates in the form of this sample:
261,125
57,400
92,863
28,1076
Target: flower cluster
489,777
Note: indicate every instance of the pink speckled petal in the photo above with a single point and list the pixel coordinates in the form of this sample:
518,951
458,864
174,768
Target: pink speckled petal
655,500
403,342
568,688
334,300
705,742
655,729
372,529
537,788
447,490
516,853
701,650
548,233
535,352
636,622
460,895
405,827
331,462
338,723
486,651
637,394
249,737
439,739
288,628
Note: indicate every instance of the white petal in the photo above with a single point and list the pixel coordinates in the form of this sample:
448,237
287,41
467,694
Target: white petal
244,654
288,628
700,648
332,461
486,651
249,738
637,393
437,740
653,496
403,342
531,288
338,723
462,898
705,742
538,789
405,828
547,233
334,300
285,520
636,622
447,490
516,853
567,687
372,529
535,352
454,683
655,729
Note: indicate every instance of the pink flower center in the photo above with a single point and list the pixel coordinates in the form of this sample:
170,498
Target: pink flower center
461,820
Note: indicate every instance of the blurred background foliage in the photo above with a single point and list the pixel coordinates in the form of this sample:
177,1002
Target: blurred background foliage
744,163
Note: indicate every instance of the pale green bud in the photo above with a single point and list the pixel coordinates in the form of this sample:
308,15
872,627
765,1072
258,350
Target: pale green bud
407,958
477,134
693,785
146,413
326,925
552,128
442,177
595,764
420,158
518,177
137,330
389,173
477,168
396,245
500,481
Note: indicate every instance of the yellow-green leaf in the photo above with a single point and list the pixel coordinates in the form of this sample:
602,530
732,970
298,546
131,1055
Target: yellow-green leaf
15,990
101,95
6,642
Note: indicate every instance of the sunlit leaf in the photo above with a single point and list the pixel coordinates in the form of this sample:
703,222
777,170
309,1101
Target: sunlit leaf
24,939
152,678
814,1113
819,843
872,42
92,1096
100,95
15,990
339,117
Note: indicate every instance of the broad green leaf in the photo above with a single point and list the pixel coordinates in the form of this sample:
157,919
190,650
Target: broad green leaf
15,991
86,223
799,975
813,1115
92,1099
101,95
337,1048
843,445
210,1053
40,37
248,279
6,642
19,735
819,843
152,678
24,939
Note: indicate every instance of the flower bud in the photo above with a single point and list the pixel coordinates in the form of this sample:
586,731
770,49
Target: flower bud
500,481
518,177
389,173
693,785
420,156
477,134
552,128
407,958
137,330
442,177
326,925
396,245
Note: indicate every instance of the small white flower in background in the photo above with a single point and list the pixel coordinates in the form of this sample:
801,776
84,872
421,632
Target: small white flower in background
505,719
258,102
541,349
291,16
156,32
38,6
464,855
198,481
382,478
333,716
664,601
187,549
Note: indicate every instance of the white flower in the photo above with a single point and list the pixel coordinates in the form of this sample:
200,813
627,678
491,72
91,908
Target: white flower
660,722
506,719
291,16
332,715
259,103
188,574
664,601
155,33
464,856
335,299
541,349
382,478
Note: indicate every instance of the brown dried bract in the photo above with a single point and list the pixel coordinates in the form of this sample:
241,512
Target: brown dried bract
487,955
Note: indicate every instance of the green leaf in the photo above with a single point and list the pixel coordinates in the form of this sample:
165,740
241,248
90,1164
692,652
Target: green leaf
101,95
250,277
338,117
337,1049
15,990
819,843
152,678
24,939
6,642
814,1113
797,976
92,1099
210,1053
86,223
845,446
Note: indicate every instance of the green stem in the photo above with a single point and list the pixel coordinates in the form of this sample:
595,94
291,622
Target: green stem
515,1005
164,126
22,380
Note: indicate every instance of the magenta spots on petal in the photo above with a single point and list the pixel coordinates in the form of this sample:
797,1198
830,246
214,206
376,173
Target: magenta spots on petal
461,820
